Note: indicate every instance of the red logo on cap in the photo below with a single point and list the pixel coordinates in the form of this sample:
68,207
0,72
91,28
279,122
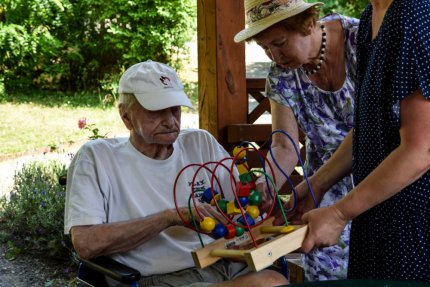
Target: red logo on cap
164,79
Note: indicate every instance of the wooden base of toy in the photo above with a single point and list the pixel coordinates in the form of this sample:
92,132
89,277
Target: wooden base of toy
271,246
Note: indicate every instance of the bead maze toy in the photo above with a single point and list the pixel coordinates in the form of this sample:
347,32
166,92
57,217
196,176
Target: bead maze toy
246,233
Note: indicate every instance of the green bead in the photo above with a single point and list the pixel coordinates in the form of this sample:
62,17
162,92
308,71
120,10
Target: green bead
239,230
255,198
246,177
222,203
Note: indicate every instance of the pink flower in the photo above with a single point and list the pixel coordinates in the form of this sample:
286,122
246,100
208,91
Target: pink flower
82,123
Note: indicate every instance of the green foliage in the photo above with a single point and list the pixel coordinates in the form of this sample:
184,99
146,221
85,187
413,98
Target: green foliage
92,128
32,218
344,7
192,91
73,45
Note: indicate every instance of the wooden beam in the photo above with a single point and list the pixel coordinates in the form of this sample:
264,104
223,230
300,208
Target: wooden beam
248,132
221,66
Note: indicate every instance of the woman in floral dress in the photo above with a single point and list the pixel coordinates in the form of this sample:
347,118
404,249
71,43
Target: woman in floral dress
311,87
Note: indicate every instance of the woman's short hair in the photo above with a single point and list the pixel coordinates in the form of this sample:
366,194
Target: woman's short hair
301,22
297,23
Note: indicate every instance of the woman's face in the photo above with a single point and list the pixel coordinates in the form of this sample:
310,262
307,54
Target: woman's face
288,49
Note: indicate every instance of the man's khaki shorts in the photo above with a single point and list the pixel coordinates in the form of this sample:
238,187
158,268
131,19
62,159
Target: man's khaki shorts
193,277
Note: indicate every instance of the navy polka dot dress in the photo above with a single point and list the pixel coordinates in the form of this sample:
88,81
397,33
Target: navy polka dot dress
391,240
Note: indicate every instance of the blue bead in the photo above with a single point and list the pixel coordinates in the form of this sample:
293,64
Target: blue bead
207,195
242,200
251,221
219,231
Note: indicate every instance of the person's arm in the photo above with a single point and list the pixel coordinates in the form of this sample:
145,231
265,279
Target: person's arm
408,162
104,239
336,168
403,166
282,148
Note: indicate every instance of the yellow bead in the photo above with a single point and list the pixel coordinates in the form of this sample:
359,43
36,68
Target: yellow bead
217,198
241,169
232,208
238,151
253,211
207,224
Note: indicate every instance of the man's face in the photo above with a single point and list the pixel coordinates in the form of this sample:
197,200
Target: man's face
154,127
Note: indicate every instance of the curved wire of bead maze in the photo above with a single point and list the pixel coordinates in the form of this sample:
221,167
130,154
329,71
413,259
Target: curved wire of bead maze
262,243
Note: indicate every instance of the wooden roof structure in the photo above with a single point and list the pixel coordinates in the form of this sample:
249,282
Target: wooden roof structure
224,89
221,65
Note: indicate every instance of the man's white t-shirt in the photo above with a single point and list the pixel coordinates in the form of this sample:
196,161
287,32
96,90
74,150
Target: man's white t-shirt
110,181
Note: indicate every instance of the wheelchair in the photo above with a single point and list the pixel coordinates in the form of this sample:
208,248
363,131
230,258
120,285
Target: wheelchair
92,272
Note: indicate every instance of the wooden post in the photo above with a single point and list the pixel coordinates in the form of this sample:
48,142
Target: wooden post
221,66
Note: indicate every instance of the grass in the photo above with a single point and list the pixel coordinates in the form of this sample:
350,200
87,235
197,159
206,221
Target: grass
38,121
29,127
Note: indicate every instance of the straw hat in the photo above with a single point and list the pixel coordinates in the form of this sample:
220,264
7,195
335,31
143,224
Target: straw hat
261,14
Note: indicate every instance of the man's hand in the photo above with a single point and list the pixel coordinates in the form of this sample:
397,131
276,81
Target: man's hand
325,226
266,198
205,210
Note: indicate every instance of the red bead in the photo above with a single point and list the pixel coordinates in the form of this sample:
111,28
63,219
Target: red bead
231,231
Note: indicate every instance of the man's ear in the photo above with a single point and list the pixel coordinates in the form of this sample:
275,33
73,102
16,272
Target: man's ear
125,116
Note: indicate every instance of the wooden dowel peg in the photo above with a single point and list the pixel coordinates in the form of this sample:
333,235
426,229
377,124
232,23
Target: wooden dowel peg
277,229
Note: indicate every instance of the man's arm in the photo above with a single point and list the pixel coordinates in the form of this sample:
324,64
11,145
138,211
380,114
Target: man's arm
104,239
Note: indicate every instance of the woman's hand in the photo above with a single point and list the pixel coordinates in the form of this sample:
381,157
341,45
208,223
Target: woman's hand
325,226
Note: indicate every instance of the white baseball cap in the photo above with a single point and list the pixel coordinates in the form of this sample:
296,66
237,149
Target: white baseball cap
155,85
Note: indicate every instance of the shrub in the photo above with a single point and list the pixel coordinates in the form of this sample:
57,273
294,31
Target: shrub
345,7
73,45
32,218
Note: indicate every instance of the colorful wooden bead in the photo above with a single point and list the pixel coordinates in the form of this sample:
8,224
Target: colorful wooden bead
243,200
207,224
253,211
207,195
232,208
255,198
219,231
239,230
243,189
239,152
241,168
242,221
216,198
246,177
222,203
231,231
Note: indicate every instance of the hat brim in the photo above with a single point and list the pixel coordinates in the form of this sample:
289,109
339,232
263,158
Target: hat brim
262,24
163,100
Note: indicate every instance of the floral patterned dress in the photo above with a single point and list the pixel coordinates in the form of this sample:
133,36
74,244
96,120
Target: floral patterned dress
325,117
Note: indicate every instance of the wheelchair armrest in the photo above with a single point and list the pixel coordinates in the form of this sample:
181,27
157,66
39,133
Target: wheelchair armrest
115,270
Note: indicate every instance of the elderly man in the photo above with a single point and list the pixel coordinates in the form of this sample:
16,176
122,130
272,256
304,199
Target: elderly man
119,191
